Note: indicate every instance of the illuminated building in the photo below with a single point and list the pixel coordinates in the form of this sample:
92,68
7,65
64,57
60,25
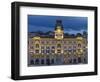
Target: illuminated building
57,49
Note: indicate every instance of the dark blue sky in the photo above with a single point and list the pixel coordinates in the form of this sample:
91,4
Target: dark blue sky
47,23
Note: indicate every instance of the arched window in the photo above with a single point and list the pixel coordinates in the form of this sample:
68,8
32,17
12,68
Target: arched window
70,61
37,45
74,61
32,61
52,61
48,61
85,60
59,45
79,60
37,61
79,45
42,61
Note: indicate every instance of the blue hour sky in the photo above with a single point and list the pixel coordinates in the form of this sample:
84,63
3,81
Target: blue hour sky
45,23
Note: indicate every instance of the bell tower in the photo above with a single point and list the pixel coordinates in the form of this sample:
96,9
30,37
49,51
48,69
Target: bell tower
59,33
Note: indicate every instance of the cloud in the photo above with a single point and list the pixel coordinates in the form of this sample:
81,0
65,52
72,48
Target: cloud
74,31
33,28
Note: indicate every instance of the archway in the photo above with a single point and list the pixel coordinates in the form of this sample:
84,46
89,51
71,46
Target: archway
37,61
48,61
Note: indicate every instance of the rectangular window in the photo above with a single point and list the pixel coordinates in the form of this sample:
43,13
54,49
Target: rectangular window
47,51
31,47
52,51
36,51
42,51
53,47
58,51
48,47
42,47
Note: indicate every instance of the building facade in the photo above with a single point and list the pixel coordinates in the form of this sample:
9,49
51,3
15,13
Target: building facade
57,49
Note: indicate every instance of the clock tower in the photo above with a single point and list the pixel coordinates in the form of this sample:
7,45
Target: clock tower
59,33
